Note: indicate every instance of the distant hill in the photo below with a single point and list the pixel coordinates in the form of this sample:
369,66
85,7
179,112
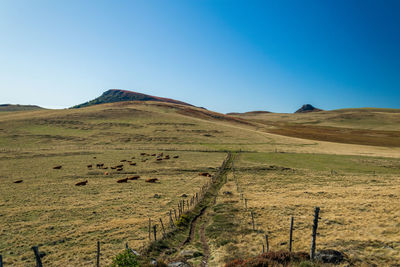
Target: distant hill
117,95
256,112
12,107
307,108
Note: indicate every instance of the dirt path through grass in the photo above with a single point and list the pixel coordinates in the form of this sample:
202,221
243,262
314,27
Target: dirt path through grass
192,235
206,248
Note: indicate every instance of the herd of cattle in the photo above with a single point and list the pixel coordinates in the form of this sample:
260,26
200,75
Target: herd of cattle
120,167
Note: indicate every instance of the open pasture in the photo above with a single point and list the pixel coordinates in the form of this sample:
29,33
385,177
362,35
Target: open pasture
356,186
358,196
67,220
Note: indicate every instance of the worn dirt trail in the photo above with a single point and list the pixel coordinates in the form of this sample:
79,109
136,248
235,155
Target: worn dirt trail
206,248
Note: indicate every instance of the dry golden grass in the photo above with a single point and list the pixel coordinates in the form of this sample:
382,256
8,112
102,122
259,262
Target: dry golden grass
359,204
47,209
378,127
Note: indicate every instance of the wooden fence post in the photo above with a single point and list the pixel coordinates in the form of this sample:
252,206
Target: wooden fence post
176,218
162,227
263,249
171,221
291,234
314,233
245,203
37,256
149,229
266,240
155,232
1,261
98,254
252,219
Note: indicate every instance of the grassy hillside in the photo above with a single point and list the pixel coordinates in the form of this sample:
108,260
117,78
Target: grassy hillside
117,95
369,126
47,209
11,107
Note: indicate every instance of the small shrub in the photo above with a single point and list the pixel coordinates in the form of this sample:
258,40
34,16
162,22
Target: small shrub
125,259
183,220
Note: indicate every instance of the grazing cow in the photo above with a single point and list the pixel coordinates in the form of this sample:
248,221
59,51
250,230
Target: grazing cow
57,167
153,155
99,165
123,160
159,159
105,168
132,163
120,169
81,183
166,157
135,177
113,167
142,154
125,180
133,158
106,173
120,166
18,181
144,160
90,166
151,180
175,157
206,174
95,157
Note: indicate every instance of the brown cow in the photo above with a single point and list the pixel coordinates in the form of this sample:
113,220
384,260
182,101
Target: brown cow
206,174
106,173
99,165
133,158
90,166
151,180
18,181
135,177
125,180
120,166
113,167
120,169
81,183
142,154
123,160
166,157
175,157
57,167
132,163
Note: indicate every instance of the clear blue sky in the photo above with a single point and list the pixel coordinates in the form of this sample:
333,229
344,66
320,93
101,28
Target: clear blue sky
222,55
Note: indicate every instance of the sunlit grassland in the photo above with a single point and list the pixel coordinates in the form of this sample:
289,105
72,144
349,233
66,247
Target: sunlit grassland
357,194
48,209
358,197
